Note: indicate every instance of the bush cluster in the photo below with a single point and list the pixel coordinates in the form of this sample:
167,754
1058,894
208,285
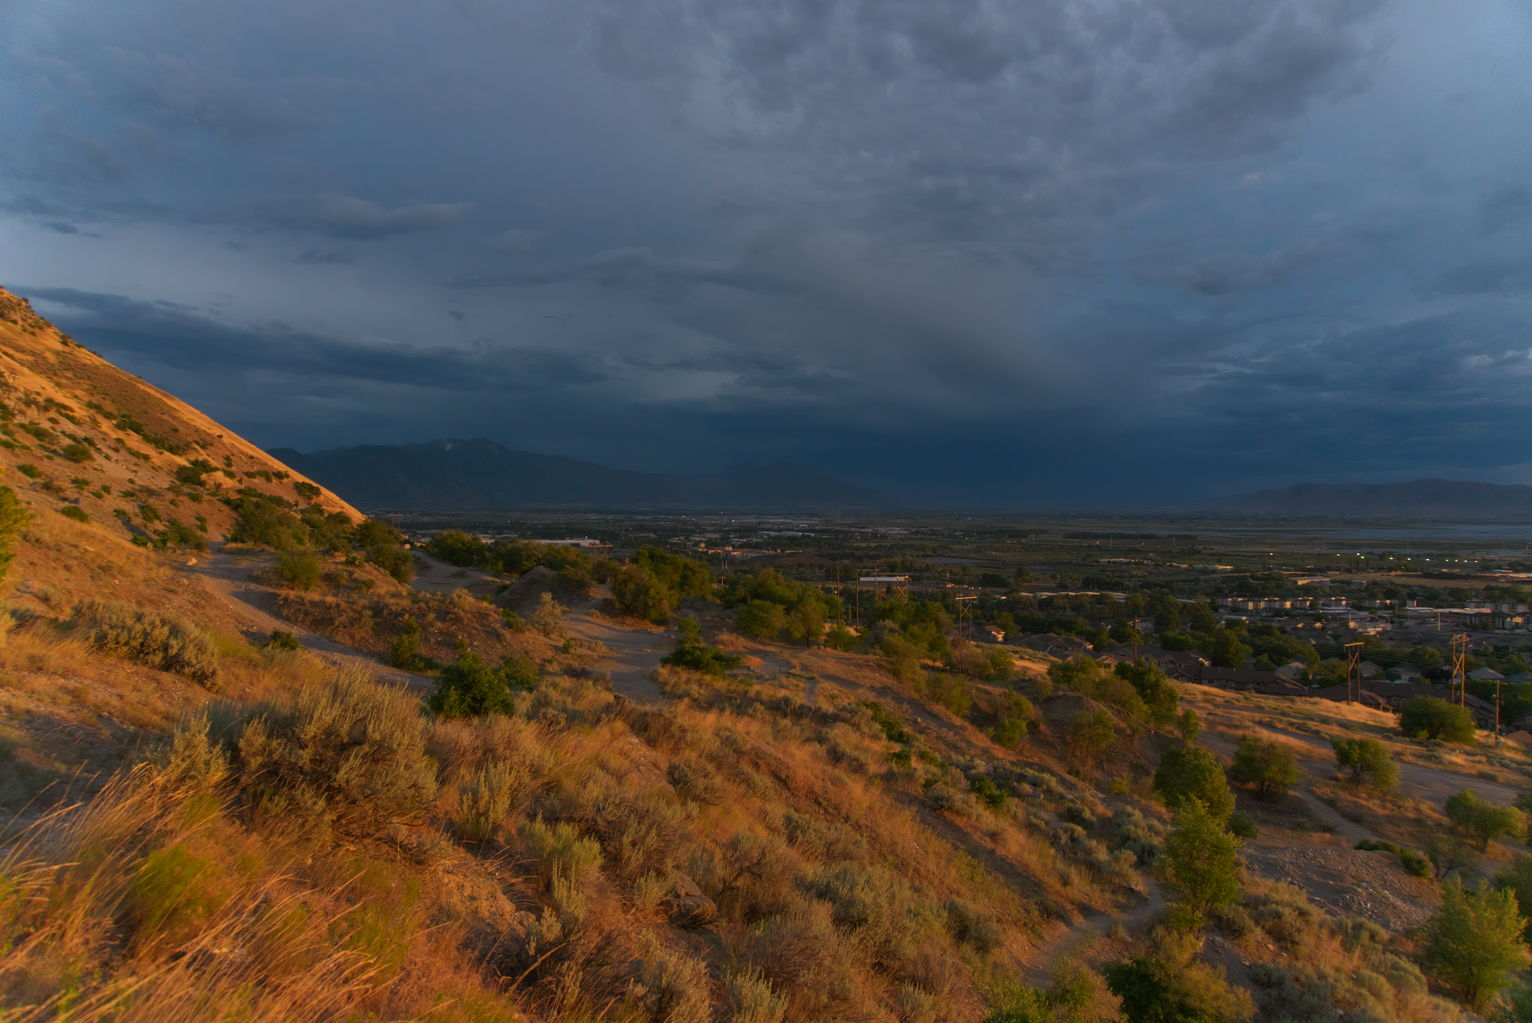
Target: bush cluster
148,637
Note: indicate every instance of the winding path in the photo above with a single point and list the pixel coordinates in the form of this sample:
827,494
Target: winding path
228,576
1071,939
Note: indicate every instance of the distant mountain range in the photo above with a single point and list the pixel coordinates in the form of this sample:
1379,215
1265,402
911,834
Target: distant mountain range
1416,499
482,475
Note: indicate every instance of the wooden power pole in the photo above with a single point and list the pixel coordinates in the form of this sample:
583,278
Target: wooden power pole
1460,666
1354,672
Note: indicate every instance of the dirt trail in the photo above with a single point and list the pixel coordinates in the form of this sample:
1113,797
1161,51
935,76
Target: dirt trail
433,576
227,575
633,652
1071,939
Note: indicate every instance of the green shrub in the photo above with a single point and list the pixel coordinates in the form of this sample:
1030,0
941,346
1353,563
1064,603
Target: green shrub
1369,762
559,851
1517,879
1076,996
1481,820
485,800
264,521
1474,942
972,926
192,472
350,753
1169,985
299,570
74,511
988,793
281,639
74,451
404,651
470,688
691,652
669,985
28,470
156,640
751,998
1090,733
1190,772
1430,717
761,619
1200,864
394,560
1263,764
179,534
1414,862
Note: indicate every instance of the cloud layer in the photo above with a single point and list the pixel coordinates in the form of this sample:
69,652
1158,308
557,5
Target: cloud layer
1027,253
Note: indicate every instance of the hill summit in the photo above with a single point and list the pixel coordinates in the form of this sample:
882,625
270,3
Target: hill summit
88,444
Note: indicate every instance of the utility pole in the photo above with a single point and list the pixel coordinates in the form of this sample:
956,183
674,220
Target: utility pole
1354,671
1460,666
1497,711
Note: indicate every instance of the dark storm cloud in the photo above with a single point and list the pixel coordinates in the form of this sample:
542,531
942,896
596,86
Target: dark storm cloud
324,257
171,332
345,216
1226,274
1250,239
1485,277
1503,207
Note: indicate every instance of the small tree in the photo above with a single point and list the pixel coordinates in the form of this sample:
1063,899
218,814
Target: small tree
1192,773
641,593
1369,762
548,619
1200,864
1430,717
1077,674
1517,879
1267,766
1189,725
1481,820
1158,692
1091,733
298,569
761,619
1475,941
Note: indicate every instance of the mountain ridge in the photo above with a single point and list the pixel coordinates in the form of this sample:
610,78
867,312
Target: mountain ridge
484,475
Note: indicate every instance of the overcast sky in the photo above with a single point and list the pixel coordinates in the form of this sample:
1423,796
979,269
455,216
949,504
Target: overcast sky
1042,252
